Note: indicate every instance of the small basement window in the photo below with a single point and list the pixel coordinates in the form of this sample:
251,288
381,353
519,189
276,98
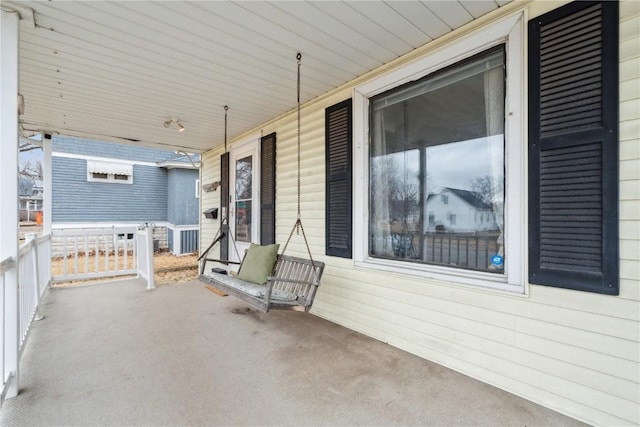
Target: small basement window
120,173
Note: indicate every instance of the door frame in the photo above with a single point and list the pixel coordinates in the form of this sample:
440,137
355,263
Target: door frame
247,147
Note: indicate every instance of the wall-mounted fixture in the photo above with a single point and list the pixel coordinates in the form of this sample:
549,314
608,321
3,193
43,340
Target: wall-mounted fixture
211,187
169,123
211,213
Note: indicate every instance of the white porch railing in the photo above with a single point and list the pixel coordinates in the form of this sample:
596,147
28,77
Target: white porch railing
92,253
33,279
34,273
7,320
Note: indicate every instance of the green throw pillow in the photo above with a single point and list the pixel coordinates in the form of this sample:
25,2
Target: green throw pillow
258,263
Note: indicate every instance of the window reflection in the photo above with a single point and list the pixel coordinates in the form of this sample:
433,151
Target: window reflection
243,203
437,167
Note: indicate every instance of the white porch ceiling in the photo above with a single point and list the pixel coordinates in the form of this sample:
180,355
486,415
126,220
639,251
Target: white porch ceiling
116,71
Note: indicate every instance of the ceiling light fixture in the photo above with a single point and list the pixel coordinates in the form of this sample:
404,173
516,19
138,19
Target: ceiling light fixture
169,124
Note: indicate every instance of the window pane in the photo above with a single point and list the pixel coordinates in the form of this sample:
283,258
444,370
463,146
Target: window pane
437,167
244,188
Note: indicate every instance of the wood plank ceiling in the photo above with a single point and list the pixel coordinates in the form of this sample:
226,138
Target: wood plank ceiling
116,71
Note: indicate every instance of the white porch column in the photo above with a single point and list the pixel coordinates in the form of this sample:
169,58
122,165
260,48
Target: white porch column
9,190
47,182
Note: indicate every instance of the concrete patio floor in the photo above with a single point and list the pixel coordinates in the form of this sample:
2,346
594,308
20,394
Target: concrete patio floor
115,354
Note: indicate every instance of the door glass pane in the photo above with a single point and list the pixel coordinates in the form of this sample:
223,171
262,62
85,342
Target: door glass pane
244,197
436,165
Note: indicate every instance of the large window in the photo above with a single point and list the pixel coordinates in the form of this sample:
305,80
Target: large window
436,171
441,171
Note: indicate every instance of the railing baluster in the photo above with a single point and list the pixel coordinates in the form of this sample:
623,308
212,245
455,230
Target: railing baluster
134,259
64,256
97,254
75,255
107,254
467,250
116,243
86,255
487,257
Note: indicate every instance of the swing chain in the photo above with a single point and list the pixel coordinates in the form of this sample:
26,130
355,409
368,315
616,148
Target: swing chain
299,58
297,227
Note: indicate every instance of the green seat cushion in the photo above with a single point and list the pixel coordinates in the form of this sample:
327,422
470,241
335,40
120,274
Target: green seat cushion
258,263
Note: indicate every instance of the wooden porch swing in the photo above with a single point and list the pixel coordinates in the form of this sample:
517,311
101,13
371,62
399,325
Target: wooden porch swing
293,281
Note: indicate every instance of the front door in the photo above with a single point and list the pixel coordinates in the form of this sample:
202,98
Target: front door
244,207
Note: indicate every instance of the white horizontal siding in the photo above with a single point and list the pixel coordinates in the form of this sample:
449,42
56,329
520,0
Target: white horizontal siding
576,352
209,174
630,152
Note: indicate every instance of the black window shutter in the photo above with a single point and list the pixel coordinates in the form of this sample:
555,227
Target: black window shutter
573,147
338,141
268,189
224,205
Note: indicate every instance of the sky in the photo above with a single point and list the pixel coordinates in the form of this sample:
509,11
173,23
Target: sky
32,155
454,165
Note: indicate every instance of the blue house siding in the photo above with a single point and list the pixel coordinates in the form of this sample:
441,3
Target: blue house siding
87,147
182,205
189,241
76,200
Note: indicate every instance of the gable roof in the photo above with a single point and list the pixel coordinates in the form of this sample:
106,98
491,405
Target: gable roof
468,197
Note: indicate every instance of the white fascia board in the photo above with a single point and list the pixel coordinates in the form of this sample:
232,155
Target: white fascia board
169,164
102,159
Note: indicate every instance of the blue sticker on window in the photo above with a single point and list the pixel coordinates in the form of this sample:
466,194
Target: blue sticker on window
497,260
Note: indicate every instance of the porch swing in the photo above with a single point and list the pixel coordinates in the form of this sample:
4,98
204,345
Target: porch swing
292,283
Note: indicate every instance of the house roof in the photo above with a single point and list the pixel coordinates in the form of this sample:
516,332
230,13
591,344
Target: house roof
116,71
468,197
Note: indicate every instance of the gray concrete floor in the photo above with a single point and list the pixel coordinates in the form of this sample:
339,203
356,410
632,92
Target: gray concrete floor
113,354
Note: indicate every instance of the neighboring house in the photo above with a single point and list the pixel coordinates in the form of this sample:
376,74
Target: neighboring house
531,91
103,184
461,211
31,199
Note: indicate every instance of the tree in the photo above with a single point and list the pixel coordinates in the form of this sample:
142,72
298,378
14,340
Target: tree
26,145
395,188
31,170
486,189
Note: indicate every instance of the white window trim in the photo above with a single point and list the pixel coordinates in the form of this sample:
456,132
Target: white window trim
197,188
509,31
